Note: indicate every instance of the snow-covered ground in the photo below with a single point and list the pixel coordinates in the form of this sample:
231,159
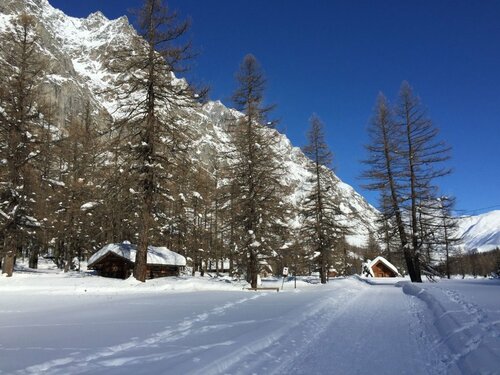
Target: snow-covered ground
54,323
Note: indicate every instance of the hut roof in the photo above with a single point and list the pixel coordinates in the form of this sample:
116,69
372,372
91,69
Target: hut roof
385,262
156,255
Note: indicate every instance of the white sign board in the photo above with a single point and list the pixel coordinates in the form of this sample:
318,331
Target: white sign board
285,271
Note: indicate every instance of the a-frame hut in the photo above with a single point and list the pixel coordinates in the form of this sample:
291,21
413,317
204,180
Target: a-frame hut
381,267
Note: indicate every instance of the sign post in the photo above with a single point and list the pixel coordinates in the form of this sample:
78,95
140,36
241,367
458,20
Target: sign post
285,274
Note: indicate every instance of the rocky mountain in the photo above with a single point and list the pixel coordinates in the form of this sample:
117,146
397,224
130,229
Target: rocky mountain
480,233
75,51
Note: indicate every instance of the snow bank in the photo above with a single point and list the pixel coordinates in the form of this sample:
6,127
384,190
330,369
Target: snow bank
85,283
380,280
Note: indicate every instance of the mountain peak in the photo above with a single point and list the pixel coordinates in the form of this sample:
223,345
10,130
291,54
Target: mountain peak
77,49
97,17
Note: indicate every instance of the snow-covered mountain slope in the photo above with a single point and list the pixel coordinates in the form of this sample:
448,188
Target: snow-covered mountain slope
481,232
76,51
360,216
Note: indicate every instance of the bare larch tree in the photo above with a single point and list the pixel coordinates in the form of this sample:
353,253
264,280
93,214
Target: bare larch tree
423,156
19,143
405,158
385,169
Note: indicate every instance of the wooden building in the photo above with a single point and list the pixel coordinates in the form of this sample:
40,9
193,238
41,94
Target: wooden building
117,261
332,272
265,269
381,267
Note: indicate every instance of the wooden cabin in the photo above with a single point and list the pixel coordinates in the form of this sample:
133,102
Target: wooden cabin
332,272
265,269
381,267
117,261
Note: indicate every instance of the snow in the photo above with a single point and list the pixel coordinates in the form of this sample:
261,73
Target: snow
358,214
55,78
156,255
77,323
56,182
481,233
89,206
86,44
466,316
56,323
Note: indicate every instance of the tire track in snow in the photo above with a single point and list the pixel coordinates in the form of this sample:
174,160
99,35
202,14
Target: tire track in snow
74,364
271,353
360,338
463,330
477,315
475,327
420,332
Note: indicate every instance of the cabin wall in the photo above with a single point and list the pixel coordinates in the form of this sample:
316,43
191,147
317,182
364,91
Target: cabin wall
113,266
332,273
155,271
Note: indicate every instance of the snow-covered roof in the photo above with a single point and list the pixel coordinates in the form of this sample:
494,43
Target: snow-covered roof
384,261
156,255
264,265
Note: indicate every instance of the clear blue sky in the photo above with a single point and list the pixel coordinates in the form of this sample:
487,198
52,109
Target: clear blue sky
333,57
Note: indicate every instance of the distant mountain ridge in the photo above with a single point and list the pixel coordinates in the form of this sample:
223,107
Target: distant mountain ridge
76,50
480,233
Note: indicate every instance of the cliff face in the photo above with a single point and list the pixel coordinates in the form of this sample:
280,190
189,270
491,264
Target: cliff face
75,75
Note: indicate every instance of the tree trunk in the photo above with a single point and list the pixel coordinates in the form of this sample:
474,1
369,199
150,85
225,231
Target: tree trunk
33,258
10,246
409,263
253,269
322,274
322,268
447,249
68,256
8,264
141,257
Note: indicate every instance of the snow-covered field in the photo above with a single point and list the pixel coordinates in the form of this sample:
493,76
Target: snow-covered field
54,323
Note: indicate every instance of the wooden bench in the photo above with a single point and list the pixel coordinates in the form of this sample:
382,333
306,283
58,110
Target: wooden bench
265,288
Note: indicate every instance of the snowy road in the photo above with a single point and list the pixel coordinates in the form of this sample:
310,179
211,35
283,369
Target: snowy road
345,327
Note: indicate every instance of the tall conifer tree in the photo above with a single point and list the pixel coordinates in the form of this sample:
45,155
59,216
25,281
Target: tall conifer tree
322,227
151,132
255,172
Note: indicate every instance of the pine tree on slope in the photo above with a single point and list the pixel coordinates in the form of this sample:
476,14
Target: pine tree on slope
151,130
255,173
322,217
